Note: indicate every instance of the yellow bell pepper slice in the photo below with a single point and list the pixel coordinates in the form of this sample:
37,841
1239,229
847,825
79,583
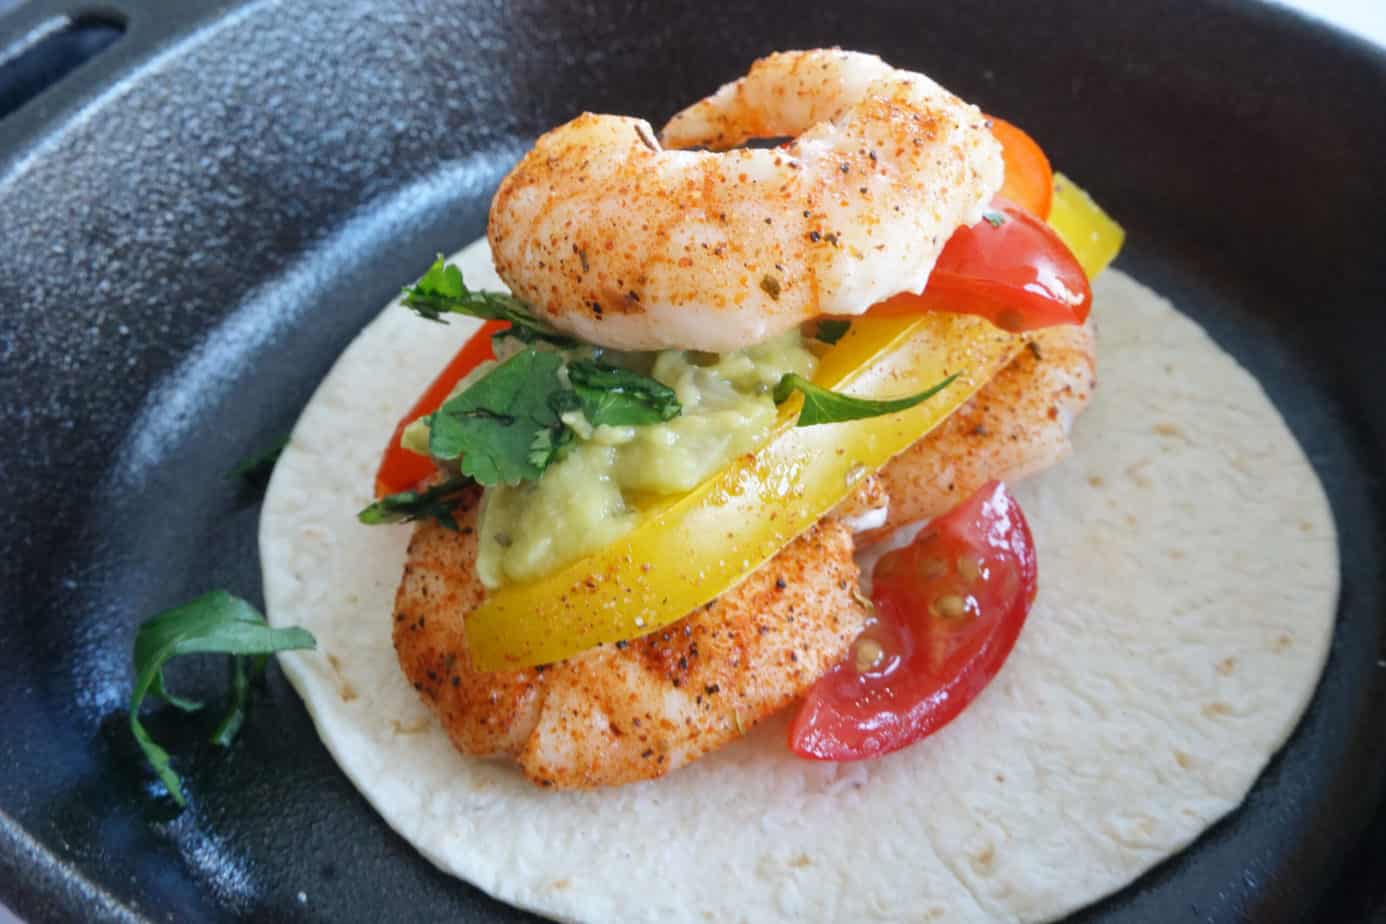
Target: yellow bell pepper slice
688,549
1087,230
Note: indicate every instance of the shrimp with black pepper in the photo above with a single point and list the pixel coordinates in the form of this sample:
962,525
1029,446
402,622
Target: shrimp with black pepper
633,710
1017,425
628,243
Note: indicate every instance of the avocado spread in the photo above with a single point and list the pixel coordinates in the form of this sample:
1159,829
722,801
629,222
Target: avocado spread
591,497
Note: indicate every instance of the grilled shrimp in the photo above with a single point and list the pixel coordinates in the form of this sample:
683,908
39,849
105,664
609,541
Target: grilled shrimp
631,245
1017,425
635,710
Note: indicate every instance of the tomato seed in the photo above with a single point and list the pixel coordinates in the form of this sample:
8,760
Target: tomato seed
931,568
867,654
950,606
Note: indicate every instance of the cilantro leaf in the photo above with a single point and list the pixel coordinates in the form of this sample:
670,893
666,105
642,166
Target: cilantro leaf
994,218
831,330
255,470
549,446
241,677
441,291
824,406
491,428
216,622
405,506
619,397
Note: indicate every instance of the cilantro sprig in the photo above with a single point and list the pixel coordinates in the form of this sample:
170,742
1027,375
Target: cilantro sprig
436,502
822,405
255,470
506,427
215,623
441,291
509,426
618,397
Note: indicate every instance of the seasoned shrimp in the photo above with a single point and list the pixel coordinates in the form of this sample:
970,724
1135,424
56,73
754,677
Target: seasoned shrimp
631,245
1017,425
635,710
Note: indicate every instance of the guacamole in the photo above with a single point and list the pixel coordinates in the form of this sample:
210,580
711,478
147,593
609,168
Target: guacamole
591,496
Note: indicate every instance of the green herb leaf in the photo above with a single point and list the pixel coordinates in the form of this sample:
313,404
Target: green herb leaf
994,218
618,397
181,703
441,291
823,406
215,623
549,446
491,428
831,331
405,506
241,677
255,470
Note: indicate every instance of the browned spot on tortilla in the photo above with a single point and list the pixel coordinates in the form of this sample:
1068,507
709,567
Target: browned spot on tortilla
1183,760
1227,665
1213,710
413,728
1096,481
800,860
344,688
1168,429
1136,472
1282,641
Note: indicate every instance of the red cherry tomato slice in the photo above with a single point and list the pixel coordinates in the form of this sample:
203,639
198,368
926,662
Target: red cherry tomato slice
949,607
1029,178
1010,268
401,469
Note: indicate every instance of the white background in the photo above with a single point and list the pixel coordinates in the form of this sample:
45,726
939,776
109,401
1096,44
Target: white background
1364,17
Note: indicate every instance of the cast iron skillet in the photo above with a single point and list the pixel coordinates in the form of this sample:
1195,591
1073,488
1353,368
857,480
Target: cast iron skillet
196,222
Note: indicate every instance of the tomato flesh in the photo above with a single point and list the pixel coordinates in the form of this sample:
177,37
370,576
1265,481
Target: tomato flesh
948,609
1010,268
1029,178
401,469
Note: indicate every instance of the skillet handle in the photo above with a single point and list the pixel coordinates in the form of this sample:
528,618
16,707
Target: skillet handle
50,50
56,55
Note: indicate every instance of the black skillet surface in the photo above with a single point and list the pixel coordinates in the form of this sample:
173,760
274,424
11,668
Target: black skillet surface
195,223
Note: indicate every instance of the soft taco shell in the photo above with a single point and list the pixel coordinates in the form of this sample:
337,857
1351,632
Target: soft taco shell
1188,585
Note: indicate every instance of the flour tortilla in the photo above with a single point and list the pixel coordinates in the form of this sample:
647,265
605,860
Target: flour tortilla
1188,584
